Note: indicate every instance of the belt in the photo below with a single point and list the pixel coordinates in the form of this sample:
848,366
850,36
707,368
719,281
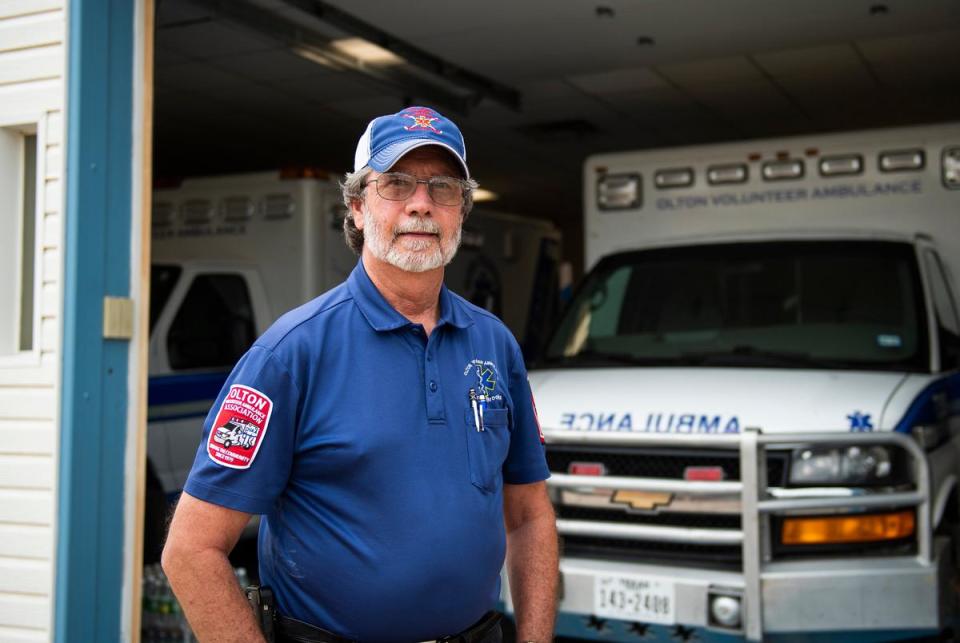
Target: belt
290,630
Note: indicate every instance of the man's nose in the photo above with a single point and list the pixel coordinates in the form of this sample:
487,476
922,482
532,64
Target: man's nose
419,202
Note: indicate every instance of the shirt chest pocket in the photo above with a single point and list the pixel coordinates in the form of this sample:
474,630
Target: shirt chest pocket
487,449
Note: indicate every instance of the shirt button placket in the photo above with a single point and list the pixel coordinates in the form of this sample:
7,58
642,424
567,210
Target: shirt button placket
434,394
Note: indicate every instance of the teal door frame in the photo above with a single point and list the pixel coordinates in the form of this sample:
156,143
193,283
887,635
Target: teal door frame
96,253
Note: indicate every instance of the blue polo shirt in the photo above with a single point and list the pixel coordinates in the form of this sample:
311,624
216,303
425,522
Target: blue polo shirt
352,432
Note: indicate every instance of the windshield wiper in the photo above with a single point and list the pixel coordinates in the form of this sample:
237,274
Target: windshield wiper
745,355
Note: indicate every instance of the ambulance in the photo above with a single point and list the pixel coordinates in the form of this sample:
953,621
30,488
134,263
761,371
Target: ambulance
752,404
231,253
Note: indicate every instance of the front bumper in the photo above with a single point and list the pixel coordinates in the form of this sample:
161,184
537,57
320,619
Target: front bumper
880,598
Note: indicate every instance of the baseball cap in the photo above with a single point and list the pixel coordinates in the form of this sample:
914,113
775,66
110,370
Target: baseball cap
387,138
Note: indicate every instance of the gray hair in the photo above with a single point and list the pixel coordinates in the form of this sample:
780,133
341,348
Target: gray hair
352,189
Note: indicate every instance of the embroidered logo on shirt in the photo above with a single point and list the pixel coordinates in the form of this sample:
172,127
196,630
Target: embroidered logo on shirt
240,426
486,373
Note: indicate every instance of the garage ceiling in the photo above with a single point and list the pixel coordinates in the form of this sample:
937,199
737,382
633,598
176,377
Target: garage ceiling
592,76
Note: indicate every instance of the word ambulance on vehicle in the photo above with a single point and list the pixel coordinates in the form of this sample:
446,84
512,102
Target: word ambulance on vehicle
232,253
752,404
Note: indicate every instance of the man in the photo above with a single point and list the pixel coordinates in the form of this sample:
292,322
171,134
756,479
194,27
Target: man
385,431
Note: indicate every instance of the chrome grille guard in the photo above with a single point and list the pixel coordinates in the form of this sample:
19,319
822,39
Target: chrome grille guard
756,501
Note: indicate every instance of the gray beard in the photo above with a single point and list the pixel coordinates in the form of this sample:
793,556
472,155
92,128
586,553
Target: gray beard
419,256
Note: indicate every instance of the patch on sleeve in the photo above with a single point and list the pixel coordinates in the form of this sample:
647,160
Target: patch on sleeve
240,427
536,416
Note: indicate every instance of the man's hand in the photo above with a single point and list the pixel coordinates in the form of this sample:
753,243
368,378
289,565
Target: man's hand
195,562
532,559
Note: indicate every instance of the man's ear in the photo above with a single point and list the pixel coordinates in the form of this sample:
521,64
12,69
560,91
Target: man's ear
356,209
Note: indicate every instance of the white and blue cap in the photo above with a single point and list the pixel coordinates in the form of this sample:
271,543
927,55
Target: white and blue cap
388,138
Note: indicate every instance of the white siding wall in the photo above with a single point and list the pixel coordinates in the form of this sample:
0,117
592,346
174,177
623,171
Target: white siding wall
32,66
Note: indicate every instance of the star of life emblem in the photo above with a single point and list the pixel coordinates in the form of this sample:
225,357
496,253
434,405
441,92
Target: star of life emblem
486,374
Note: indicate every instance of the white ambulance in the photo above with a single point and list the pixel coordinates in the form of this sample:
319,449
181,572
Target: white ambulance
752,405
232,253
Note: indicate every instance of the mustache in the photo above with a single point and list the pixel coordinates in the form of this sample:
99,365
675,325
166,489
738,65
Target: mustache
417,225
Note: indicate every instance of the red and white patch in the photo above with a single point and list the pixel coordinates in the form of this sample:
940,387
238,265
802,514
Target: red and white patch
536,417
240,427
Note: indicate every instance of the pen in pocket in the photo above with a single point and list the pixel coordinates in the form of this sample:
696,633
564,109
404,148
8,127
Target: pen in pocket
482,399
475,405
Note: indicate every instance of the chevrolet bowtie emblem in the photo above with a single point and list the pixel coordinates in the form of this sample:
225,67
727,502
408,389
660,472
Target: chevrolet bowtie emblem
644,500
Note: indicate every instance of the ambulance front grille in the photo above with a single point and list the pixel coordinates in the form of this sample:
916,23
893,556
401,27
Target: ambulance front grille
641,462
646,545
689,520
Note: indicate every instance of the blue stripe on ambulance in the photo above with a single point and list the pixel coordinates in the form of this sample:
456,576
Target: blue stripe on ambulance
926,407
174,397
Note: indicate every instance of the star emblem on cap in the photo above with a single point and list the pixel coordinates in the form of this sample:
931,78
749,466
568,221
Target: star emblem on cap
422,121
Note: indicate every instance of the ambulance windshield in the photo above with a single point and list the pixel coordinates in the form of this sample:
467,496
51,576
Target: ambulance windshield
796,304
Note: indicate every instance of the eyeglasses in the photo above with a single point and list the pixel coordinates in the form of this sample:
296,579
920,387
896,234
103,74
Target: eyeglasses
443,190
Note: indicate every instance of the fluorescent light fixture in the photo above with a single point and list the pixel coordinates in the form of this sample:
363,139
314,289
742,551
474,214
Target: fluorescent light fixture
366,52
484,195
313,55
401,67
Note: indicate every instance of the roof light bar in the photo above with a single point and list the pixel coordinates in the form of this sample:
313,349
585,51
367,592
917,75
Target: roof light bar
196,212
681,177
278,206
721,174
237,208
783,170
902,161
950,166
619,192
841,165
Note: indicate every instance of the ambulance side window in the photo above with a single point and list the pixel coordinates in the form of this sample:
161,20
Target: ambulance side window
162,281
214,325
948,325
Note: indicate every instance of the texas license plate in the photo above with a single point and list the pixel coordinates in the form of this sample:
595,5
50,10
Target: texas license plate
635,598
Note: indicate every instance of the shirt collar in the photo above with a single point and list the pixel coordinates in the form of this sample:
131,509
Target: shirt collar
383,317
452,310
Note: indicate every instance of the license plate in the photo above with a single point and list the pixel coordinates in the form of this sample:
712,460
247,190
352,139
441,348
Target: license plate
634,598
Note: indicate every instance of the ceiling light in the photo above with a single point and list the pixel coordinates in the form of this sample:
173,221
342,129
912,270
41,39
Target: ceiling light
484,195
313,55
367,52
399,66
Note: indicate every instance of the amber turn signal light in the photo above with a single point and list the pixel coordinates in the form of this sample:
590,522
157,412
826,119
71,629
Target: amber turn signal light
847,529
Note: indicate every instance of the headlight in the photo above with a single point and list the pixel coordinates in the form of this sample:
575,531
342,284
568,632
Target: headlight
840,465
